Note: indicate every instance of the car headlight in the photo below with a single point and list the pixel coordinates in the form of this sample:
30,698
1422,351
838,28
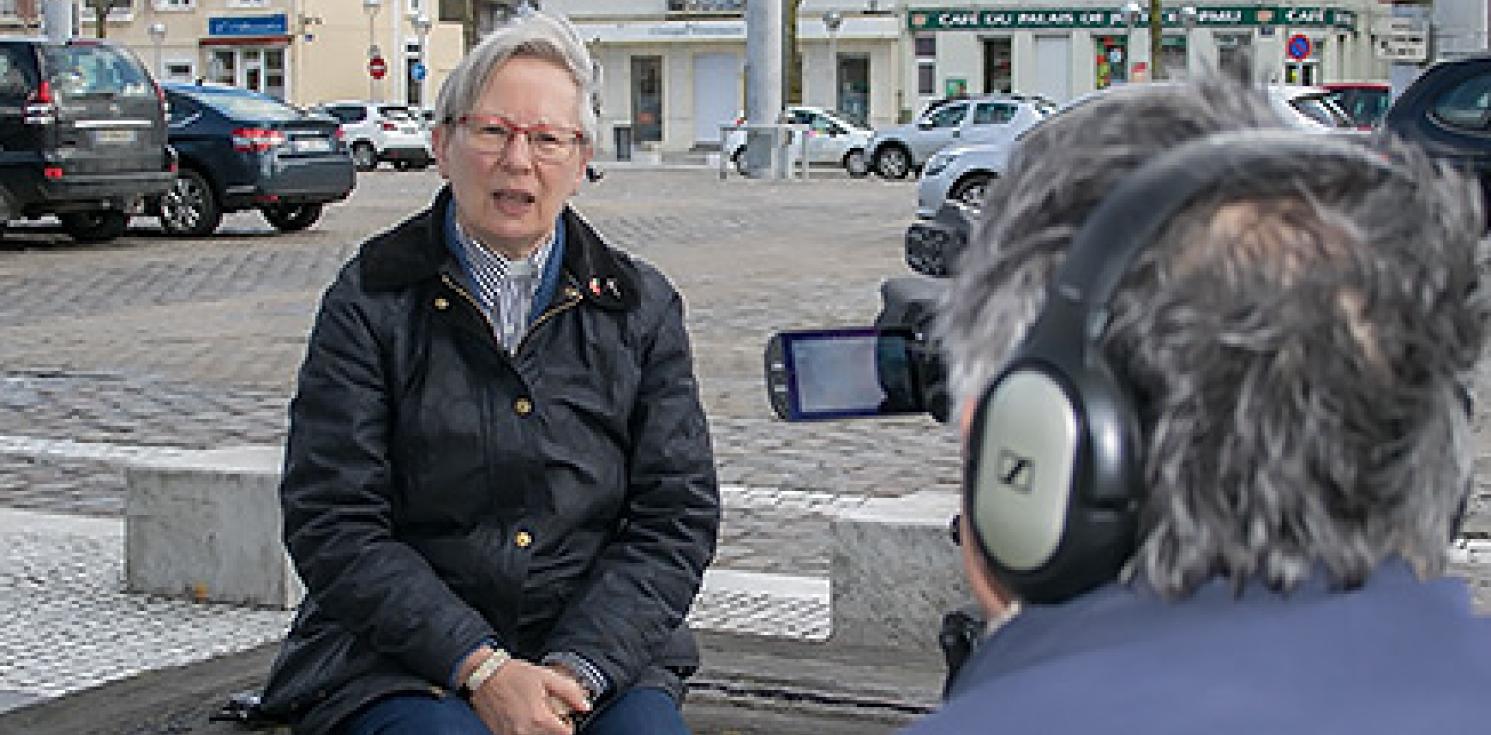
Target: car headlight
937,164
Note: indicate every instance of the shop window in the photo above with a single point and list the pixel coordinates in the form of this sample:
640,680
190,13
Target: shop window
1234,52
998,58
853,89
926,65
647,98
1110,60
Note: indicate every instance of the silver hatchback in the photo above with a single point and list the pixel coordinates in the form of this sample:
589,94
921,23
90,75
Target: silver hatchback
896,152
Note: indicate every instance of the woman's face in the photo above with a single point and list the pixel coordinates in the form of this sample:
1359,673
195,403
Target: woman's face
507,190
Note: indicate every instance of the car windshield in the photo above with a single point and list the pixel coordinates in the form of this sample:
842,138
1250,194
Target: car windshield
1363,106
91,70
250,107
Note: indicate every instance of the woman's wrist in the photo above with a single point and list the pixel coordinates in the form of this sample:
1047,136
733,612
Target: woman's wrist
491,659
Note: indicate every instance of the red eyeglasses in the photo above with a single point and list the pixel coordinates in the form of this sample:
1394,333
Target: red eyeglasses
546,143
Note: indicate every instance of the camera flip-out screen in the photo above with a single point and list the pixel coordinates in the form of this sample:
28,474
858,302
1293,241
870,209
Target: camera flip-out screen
839,373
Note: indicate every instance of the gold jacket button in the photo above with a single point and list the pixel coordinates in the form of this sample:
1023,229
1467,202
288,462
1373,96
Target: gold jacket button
523,406
441,303
523,539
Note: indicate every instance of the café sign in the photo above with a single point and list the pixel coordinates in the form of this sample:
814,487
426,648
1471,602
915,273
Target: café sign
934,19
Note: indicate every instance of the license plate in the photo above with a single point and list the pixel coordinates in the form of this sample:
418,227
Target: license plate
114,137
312,145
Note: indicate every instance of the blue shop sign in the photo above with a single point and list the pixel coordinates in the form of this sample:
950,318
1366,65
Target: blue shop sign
249,25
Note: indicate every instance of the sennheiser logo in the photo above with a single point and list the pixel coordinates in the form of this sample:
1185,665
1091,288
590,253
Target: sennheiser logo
1015,470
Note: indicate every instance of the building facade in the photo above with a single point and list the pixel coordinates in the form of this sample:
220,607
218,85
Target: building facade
673,71
301,51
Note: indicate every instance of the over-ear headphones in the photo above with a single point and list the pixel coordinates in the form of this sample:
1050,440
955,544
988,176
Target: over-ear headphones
1053,477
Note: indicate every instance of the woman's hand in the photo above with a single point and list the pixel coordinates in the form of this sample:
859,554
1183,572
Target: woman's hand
524,699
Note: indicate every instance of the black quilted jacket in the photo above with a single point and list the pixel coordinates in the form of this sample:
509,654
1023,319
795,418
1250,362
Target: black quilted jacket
438,491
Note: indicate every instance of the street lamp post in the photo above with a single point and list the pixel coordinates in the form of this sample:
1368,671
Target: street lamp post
422,24
157,31
371,7
832,20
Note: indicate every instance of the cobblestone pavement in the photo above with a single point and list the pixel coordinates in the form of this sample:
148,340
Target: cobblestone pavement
151,343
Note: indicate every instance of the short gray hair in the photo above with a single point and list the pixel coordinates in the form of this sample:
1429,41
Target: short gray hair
530,34
1299,361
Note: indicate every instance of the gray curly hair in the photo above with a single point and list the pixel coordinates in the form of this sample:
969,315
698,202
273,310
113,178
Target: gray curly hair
530,34
1299,361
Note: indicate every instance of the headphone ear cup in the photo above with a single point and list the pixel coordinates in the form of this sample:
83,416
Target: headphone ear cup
1050,479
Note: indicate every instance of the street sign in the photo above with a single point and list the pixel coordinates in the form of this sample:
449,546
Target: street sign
1401,39
1410,49
377,67
417,71
1299,47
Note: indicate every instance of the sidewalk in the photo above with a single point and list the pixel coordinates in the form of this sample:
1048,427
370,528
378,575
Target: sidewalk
79,646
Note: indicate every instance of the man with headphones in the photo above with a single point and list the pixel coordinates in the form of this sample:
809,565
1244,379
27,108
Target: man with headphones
1218,441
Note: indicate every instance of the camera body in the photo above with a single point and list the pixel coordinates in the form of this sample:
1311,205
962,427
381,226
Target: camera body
893,367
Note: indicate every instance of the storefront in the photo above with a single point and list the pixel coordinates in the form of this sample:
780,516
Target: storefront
675,82
248,51
1065,52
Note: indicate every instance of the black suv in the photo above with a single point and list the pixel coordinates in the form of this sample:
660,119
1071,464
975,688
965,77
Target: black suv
82,135
1447,110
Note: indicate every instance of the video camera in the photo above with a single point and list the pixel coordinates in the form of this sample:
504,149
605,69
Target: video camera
893,367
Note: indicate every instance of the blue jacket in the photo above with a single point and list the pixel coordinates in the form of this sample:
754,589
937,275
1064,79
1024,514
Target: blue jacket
1398,657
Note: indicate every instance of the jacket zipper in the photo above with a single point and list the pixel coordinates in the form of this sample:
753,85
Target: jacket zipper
572,297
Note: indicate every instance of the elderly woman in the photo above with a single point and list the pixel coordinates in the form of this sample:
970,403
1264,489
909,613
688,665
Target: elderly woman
498,488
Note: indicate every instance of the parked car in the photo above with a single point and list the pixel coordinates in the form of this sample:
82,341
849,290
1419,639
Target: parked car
381,131
82,135
831,140
962,173
896,152
1365,103
1309,107
243,150
1447,110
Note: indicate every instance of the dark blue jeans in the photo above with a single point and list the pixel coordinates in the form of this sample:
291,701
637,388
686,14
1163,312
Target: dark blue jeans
637,712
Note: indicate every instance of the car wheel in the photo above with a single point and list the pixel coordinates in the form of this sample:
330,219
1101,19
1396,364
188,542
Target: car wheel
100,226
363,156
856,163
739,159
291,217
892,162
190,209
970,191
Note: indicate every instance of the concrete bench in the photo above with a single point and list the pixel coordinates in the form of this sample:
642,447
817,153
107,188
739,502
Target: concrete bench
895,572
206,526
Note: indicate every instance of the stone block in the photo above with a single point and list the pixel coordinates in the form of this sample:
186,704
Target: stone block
206,526
895,572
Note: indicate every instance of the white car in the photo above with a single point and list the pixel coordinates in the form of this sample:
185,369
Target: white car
381,131
831,140
896,152
962,173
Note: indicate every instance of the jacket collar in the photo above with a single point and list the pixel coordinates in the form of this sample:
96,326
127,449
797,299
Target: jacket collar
416,250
